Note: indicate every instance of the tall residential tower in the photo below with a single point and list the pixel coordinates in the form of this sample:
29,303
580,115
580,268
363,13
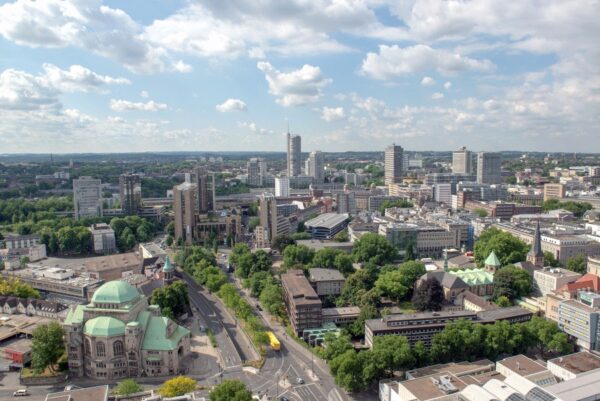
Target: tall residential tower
315,166
130,189
393,164
87,197
294,151
462,161
489,167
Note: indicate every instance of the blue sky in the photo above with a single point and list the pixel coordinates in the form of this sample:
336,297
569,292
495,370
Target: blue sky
92,76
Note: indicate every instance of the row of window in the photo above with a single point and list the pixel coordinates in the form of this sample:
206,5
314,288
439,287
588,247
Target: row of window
118,348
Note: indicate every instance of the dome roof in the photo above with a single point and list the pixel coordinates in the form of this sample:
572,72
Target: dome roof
115,292
168,267
104,326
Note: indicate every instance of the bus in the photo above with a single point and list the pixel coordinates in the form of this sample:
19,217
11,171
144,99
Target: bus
273,341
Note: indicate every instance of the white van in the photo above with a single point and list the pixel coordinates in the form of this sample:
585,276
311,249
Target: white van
21,392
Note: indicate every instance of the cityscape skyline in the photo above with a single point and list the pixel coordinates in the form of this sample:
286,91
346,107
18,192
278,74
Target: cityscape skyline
346,76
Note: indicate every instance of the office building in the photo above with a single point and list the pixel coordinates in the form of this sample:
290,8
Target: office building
257,171
130,190
554,191
462,161
442,193
393,164
345,202
326,281
326,225
87,197
294,154
568,367
103,238
301,301
315,166
282,186
489,168
273,224
184,207
580,319
520,365
205,187
133,339
13,241
548,280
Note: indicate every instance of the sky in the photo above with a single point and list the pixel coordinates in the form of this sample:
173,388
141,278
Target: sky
221,75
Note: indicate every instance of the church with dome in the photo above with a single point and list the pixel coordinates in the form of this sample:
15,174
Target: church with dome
119,335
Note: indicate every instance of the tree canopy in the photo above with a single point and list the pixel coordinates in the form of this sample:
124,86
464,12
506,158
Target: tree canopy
128,386
177,386
374,248
577,264
511,282
47,345
172,299
230,390
508,248
428,296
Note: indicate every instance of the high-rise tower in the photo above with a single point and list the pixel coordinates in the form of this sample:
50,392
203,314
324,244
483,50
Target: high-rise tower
315,166
130,189
461,161
489,168
393,164
294,151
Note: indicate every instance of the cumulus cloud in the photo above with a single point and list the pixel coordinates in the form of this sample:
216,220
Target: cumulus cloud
252,127
330,114
180,66
394,61
447,85
231,105
144,94
427,81
296,87
78,79
126,105
437,96
22,91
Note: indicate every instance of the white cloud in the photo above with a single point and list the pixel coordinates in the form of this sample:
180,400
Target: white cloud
296,87
252,127
22,91
144,94
427,81
78,79
394,61
231,105
447,85
180,66
105,31
330,114
437,96
126,105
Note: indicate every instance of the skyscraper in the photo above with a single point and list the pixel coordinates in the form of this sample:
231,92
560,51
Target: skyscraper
393,164
294,151
315,166
184,205
282,186
272,224
461,161
87,197
256,168
205,184
130,189
489,168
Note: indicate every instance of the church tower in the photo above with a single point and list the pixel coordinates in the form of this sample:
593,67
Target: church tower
535,255
168,271
492,263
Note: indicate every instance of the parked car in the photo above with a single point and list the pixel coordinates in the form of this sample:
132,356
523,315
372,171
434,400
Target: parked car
20,392
300,380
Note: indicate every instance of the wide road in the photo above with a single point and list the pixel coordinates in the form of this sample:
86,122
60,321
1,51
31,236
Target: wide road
219,323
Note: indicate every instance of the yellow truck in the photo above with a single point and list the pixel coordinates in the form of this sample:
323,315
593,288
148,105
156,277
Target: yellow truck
273,341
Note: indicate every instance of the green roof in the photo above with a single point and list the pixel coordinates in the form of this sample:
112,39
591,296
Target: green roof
115,292
104,326
474,277
492,260
168,267
75,316
155,337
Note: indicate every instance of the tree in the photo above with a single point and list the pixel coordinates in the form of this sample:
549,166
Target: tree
508,248
23,261
390,284
258,281
481,212
172,299
335,346
411,271
297,255
503,301
253,223
401,203
170,228
347,369
577,264
281,241
271,298
356,285
550,259
548,337
421,354
14,287
127,387
47,345
169,240
230,390
373,248
428,296
511,282
367,311
325,258
177,386
343,262
392,353
342,236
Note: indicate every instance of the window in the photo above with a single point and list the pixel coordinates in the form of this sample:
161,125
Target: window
100,349
118,348
88,347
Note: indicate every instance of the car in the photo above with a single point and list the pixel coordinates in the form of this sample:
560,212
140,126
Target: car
300,380
283,398
20,393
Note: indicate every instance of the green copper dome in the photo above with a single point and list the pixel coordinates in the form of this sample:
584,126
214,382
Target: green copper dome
492,260
104,326
168,267
115,292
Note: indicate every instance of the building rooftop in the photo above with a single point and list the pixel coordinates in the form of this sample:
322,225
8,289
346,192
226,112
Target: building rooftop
557,272
577,363
502,313
119,261
342,311
456,368
97,393
584,387
116,292
433,386
395,321
104,326
299,288
446,280
319,274
474,277
327,220
492,260
522,365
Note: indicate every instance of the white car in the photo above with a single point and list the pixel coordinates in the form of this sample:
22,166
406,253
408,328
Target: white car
20,392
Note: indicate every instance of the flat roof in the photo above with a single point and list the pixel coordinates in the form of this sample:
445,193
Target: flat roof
458,368
299,288
382,323
342,311
425,388
522,365
97,393
580,388
502,313
327,220
579,362
319,274
557,272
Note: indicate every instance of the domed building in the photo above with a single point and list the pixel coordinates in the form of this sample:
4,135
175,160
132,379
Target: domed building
119,335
